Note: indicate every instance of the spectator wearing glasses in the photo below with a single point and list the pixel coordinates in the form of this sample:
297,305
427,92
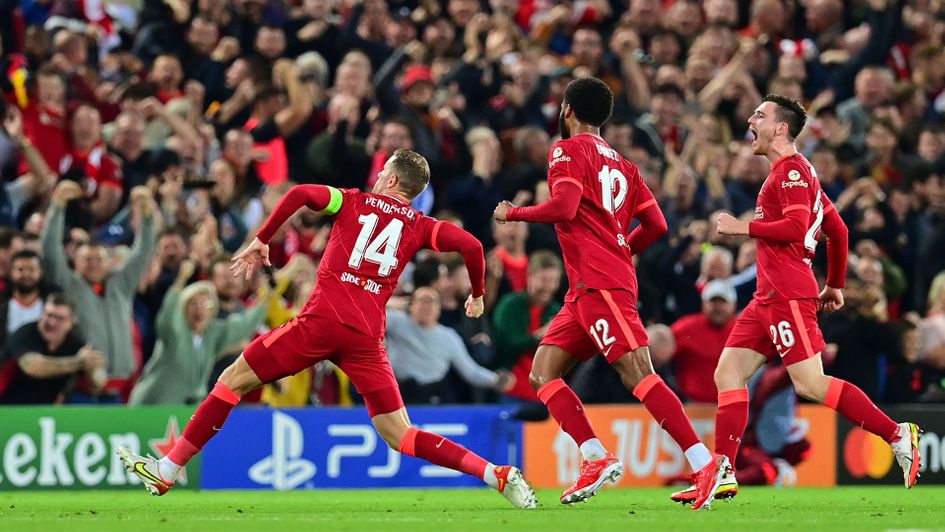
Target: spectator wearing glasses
42,358
190,339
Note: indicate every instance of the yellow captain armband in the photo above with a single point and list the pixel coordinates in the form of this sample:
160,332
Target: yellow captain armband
334,204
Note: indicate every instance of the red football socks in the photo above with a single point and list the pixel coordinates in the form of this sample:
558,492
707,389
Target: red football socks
567,410
730,421
850,401
204,424
440,451
666,409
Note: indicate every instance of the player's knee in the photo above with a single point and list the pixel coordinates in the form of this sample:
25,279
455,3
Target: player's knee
810,389
237,379
538,379
391,439
727,377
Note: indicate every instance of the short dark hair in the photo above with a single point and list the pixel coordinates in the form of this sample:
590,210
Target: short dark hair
413,171
667,89
884,123
789,111
591,100
173,230
60,299
265,91
7,234
543,259
27,254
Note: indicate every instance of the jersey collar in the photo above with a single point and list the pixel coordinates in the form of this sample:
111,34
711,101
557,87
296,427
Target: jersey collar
782,159
398,198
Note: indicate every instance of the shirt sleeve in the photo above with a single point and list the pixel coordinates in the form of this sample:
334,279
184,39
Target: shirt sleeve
793,190
566,189
444,237
652,222
838,242
319,198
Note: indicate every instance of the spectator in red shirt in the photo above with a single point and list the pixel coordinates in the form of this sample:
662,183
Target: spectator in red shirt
44,118
507,263
700,339
89,156
167,75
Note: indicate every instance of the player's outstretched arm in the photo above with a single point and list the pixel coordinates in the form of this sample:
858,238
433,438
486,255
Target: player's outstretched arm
562,206
791,228
319,198
831,298
445,237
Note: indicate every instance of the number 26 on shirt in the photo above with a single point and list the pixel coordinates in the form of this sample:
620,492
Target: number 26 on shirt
380,249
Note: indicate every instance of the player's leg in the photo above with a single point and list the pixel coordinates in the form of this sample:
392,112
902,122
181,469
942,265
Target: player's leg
735,367
852,403
549,367
800,341
636,372
257,365
371,374
746,349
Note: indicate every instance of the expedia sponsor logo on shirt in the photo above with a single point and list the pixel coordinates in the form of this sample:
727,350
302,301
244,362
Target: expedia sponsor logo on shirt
557,160
366,284
794,180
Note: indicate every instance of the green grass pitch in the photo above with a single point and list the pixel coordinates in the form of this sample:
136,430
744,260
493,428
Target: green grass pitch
755,509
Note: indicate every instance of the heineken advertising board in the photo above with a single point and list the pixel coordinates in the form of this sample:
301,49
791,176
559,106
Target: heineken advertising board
74,447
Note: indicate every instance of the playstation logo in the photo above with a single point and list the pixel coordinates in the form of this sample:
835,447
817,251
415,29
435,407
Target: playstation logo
284,469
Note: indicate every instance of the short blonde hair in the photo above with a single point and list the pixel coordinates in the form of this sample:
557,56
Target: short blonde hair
413,171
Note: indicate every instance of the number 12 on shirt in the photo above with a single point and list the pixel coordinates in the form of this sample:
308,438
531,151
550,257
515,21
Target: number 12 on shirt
368,247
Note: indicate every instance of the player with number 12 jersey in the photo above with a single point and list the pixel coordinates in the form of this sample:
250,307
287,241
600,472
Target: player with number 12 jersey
595,195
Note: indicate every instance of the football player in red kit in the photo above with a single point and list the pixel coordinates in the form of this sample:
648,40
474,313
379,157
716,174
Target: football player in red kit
595,195
782,318
373,238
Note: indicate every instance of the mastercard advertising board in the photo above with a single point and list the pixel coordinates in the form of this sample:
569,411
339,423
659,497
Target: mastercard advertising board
651,457
863,458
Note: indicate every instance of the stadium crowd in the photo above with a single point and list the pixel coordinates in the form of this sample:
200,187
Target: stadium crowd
142,145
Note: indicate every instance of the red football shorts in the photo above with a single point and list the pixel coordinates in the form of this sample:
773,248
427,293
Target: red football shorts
786,328
599,321
307,340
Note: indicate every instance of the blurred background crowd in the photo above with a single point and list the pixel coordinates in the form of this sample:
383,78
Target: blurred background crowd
144,143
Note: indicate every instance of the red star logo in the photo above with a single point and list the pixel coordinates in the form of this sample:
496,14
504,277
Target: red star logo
163,446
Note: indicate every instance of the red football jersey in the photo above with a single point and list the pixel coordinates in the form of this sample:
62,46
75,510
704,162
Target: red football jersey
373,238
594,243
784,268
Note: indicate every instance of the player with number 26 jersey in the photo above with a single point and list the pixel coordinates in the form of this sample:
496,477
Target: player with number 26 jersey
784,267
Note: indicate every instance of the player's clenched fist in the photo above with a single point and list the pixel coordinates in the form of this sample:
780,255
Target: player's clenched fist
831,299
730,225
501,211
474,306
